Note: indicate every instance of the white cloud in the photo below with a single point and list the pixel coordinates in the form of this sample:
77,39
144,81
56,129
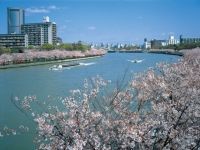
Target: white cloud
41,9
92,28
37,10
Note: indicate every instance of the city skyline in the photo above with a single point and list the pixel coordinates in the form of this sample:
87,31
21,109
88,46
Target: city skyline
112,21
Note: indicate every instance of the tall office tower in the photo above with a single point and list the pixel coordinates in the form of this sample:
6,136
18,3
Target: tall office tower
15,17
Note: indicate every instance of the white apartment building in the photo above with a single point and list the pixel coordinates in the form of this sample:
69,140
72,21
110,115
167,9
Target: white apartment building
40,33
172,40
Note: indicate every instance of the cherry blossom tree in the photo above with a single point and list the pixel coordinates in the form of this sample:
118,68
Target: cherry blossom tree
174,95
30,56
159,109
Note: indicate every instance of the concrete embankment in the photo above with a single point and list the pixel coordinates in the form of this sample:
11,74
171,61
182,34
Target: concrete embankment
174,52
125,51
155,51
168,52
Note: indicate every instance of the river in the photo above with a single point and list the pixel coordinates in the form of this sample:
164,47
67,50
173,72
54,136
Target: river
40,81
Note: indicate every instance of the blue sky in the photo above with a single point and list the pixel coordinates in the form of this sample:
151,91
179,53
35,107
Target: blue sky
112,20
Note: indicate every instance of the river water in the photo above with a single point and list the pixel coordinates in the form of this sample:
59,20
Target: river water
40,81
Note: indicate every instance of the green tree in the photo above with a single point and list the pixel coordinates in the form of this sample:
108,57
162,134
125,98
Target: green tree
4,50
66,46
79,46
47,47
30,47
17,50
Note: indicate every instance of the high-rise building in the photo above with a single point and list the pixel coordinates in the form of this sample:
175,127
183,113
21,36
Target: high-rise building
40,33
15,17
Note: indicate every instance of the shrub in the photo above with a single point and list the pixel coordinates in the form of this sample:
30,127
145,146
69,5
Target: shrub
4,50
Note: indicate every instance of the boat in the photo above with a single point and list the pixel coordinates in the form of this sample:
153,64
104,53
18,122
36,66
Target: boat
56,67
70,64
61,66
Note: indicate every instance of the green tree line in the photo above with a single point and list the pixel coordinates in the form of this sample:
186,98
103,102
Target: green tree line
78,46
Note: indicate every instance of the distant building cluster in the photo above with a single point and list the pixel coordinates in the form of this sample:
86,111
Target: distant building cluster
154,43
21,34
113,45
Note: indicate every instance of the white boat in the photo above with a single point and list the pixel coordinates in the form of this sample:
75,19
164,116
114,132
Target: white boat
56,67
61,66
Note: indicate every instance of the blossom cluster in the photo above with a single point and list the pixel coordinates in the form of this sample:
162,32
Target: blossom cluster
32,56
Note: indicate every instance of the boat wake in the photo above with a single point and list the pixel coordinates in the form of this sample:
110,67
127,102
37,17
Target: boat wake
136,60
67,66
87,64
